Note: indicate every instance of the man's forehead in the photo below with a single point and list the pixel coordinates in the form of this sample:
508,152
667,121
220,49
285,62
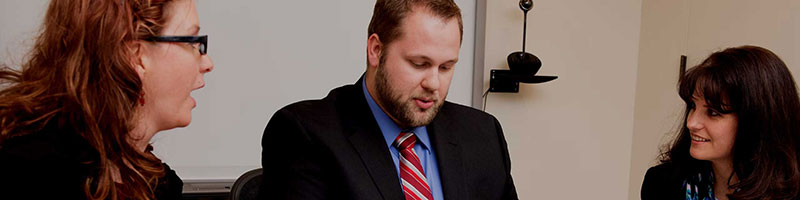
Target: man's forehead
420,13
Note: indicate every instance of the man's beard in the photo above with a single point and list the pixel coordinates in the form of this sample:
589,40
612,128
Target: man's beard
403,111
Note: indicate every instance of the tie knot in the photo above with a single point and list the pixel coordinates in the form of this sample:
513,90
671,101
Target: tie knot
405,140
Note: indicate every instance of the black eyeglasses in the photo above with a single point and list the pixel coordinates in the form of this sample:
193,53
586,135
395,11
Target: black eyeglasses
201,40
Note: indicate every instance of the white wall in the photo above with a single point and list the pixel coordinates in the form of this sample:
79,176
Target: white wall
19,20
267,54
569,138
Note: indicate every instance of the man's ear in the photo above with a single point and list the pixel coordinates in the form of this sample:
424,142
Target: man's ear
374,50
138,57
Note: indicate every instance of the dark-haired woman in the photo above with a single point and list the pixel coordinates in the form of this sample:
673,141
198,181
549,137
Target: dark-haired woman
741,132
103,77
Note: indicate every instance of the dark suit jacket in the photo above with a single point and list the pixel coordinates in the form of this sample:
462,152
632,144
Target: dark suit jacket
54,163
663,182
333,149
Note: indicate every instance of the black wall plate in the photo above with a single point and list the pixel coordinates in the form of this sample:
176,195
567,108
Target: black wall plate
501,81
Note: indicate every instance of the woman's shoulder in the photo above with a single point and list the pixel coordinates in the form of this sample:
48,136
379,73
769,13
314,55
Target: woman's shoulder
662,182
661,174
46,146
170,186
663,168
44,161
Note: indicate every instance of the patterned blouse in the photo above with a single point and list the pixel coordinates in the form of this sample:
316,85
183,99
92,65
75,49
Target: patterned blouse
700,187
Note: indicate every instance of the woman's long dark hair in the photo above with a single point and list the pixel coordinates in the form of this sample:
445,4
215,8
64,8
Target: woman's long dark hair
79,77
756,85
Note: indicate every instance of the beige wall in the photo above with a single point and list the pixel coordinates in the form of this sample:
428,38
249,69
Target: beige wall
717,24
570,138
658,106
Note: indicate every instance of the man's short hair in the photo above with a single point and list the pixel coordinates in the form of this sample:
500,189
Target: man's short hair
388,15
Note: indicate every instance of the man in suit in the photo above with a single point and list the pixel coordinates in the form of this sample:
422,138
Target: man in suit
391,135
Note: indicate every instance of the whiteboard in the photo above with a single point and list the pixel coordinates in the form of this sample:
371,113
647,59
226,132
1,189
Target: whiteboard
267,54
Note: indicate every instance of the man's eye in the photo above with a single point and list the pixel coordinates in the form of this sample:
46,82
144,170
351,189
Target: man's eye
445,67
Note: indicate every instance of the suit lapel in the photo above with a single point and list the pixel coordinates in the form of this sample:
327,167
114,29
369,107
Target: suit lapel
367,140
448,153
378,162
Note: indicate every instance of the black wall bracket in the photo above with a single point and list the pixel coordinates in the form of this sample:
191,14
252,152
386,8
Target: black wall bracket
501,81
508,80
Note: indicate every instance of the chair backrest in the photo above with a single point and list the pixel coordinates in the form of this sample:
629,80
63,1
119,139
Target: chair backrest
247,186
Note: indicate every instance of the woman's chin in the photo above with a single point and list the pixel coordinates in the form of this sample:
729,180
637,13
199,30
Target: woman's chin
696,154
184,122
184,118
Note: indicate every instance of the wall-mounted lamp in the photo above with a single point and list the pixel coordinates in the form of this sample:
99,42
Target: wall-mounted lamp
522,65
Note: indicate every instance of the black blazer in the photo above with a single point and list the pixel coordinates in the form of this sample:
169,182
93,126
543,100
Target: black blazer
663,182
334,149
53,164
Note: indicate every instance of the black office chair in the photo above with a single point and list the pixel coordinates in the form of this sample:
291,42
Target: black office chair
247,186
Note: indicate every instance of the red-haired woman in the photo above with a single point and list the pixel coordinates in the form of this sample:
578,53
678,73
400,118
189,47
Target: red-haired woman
103,77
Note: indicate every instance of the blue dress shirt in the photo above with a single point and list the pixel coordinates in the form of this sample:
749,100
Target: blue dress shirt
423,147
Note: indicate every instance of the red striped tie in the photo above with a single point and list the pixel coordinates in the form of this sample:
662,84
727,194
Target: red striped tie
415,185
